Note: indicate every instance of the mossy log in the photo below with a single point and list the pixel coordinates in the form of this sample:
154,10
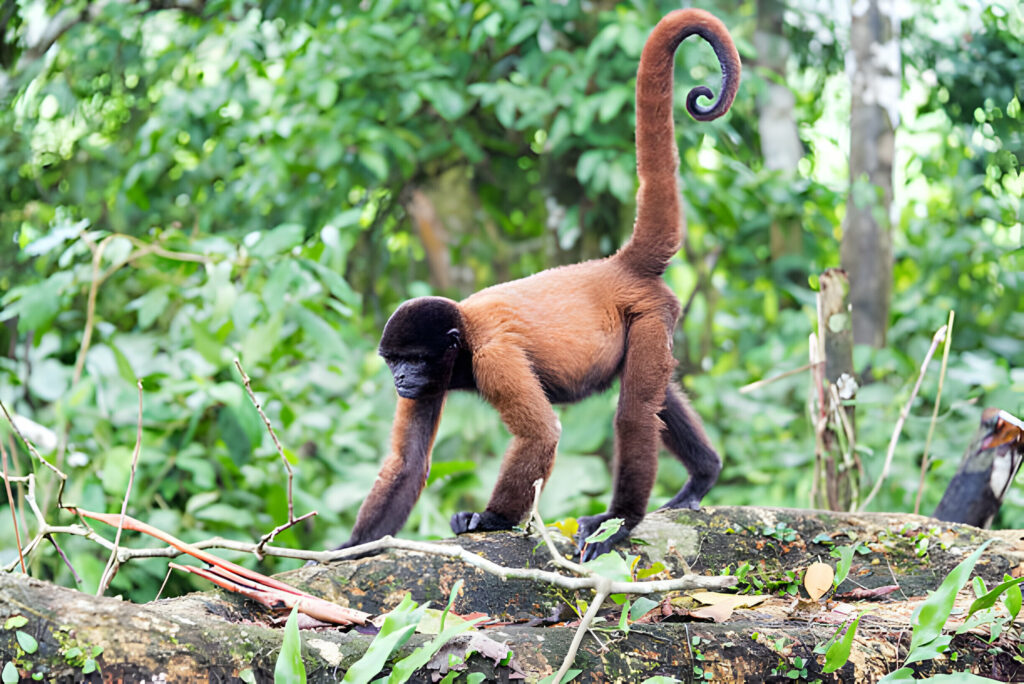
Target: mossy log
218,636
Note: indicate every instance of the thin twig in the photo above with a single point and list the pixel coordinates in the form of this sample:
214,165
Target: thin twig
31,448
533,574
112,563
269,536
90,306
935,412
849,454
758,384
10,500
64,557
280,450
816,417
384,543
600,595
938,337
556,557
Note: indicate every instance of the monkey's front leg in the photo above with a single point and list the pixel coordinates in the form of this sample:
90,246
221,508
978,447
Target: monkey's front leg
404,472
504,377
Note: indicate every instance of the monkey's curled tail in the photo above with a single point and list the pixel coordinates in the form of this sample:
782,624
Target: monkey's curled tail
657,231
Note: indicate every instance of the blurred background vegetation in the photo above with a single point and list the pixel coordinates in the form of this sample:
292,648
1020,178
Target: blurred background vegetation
190,182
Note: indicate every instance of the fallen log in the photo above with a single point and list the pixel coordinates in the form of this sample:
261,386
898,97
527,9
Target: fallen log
219,636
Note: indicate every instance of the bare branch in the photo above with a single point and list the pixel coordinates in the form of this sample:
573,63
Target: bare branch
112,563
938,337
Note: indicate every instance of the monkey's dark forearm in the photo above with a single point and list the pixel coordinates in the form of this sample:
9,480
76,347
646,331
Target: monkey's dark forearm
404,473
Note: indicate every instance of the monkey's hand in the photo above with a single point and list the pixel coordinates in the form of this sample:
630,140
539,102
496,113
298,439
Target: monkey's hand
590,524
485,521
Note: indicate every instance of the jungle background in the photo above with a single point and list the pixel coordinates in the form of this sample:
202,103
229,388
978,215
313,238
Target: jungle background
187,183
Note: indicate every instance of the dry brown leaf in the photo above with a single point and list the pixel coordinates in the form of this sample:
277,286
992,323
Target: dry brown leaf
818,580
716,613
733,601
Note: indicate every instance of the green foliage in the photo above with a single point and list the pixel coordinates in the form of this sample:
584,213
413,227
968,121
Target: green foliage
398,626
290,669
404,669
927,640
569,675
839,651
845,556
190,189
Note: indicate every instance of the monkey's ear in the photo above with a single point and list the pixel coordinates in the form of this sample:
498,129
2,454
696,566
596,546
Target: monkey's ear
454,338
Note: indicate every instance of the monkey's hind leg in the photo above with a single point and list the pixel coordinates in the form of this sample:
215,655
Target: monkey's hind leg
647,369
684,436
505,378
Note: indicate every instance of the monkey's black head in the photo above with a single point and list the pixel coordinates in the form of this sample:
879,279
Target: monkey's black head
420,343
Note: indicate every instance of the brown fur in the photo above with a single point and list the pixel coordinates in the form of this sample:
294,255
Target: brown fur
563,334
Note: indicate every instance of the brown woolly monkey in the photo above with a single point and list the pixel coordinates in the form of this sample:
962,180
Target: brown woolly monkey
561,335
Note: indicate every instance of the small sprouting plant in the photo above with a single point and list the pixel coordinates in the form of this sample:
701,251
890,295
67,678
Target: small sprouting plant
780,531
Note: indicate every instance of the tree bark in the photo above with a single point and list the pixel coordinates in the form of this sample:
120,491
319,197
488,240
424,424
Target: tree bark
873,66
216,636
781,147
836,339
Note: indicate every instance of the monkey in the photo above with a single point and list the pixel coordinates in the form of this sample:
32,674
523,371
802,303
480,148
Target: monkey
562,334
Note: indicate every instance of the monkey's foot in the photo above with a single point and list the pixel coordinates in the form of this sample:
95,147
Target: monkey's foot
689,496
590,524
485,521
678,502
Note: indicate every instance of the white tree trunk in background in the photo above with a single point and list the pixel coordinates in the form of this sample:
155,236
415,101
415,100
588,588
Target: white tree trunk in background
873,66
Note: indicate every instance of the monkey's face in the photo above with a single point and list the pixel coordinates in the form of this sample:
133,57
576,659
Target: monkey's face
416,378
420,344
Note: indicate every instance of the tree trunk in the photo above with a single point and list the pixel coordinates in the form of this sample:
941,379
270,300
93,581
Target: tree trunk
873,66
836,340
776,122
216,636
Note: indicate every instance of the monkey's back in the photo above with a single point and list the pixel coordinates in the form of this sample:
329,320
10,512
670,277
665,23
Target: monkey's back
571,322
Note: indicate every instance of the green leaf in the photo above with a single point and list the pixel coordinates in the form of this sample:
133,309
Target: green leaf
448,102
10,673
398,626
661,679
845,561
326,93
606,530
569,676
612,103
644,573
839,652
989,599
641,606
526,28
904,674
404,669
611,565
929,650
89,666
15,622
928,618
952,678
289,668
27,642
1012,601
279,240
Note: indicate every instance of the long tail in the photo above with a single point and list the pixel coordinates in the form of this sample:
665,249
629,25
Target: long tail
657,231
